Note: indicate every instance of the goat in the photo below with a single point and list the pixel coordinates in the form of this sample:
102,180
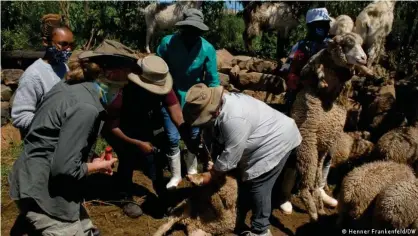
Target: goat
164,16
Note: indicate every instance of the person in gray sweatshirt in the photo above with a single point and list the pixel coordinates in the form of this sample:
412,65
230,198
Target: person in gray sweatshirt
44,73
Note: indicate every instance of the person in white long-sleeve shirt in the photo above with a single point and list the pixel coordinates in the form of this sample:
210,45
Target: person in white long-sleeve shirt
44,73
256,139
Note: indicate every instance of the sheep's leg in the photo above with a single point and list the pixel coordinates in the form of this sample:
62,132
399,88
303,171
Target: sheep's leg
372,54
318,183
181,211
307,164
199,232
150,32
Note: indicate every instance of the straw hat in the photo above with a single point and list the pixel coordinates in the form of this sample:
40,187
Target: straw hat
155,76
201,104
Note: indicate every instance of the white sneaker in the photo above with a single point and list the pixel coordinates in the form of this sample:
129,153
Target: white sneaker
330,201
175,168
286,208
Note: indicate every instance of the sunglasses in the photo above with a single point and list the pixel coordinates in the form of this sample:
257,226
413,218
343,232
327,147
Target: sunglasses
65,44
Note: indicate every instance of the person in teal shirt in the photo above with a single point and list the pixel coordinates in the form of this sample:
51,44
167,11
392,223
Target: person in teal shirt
191,60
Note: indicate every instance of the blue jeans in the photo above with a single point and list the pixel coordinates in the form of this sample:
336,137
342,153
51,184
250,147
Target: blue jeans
173,134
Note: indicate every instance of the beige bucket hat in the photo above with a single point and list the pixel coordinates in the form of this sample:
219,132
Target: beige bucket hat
155,76
201,104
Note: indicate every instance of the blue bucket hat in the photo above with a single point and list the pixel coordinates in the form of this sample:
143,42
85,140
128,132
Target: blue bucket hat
317,14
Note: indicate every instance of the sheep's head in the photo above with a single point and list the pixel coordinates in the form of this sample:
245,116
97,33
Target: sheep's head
346,50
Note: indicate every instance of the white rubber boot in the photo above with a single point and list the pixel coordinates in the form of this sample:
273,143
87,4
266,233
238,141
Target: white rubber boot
286,208
330,201
175,168
191,163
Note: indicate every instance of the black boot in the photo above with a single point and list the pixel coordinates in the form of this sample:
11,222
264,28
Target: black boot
131,208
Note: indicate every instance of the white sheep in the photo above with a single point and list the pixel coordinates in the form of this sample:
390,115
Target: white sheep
373,24
340,25
260,16
164,16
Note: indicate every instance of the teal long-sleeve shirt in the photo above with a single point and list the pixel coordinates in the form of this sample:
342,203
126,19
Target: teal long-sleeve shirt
189,67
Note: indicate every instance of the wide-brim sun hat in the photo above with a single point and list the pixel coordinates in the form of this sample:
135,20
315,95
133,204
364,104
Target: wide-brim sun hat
110,48
154,77
193,17
317,14
202,102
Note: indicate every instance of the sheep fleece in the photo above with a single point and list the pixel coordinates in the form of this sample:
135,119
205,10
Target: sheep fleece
361,186
397,206
400,145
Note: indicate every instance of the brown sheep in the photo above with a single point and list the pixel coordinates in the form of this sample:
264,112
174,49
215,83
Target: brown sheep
361,186
211,211
396,206
351,146
399,145
320,113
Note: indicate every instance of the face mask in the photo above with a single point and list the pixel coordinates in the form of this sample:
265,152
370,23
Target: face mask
320,32
57,56
108,90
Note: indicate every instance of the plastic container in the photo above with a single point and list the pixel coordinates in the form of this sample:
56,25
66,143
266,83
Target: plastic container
108,153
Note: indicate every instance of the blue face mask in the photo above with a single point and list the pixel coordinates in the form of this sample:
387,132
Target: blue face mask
108,91
320,32
57,56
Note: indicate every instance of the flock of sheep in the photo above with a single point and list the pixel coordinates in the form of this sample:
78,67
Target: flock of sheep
380,190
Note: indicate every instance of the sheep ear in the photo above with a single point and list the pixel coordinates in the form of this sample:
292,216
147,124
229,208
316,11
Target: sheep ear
338,39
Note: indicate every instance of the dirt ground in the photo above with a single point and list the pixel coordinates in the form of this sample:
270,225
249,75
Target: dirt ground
110,219
105,213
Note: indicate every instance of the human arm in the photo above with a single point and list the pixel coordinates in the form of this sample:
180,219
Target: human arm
211,70
236,132
78,123
145,147
27,96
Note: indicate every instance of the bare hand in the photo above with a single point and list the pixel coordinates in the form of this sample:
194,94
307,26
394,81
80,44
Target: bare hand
199,179
103,165
209,166
146,147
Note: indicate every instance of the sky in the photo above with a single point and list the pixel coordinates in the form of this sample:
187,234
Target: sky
229,4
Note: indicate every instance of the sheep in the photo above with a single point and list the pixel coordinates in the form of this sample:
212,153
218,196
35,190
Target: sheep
351,146
399,145
211,211
263,16
164,16
361,186
342,24
320,113
396,206
373,24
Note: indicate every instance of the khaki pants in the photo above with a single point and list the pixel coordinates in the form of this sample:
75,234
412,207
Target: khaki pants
44,225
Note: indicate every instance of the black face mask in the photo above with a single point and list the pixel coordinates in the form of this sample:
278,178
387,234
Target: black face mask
318,30
190,34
